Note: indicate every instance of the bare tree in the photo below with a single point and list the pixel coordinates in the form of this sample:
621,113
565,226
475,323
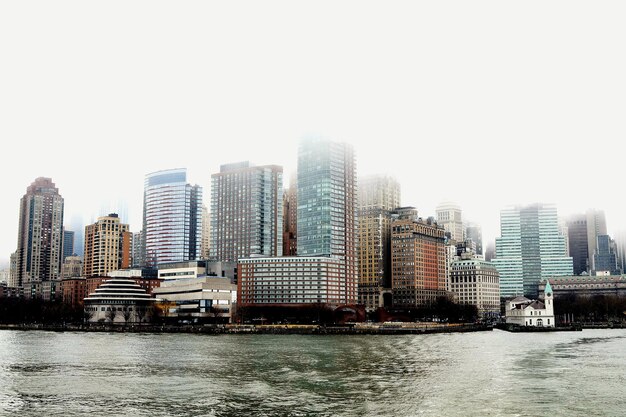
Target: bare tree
127,314
215,313
111,314
88,314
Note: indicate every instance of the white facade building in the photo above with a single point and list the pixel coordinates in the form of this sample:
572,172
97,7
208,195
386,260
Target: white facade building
533,313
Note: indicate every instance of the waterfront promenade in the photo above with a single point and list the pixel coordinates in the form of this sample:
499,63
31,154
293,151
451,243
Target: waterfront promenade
355,328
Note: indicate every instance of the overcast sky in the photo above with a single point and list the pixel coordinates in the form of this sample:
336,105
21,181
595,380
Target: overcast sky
486,103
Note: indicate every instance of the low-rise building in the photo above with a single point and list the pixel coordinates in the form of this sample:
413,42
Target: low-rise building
198,299
587,285
292,280
533,313
118,300
74,291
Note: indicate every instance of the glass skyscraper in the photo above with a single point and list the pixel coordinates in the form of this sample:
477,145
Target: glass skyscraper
530,249
172,217
327,206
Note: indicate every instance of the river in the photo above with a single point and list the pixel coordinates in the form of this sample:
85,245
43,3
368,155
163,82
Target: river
459,374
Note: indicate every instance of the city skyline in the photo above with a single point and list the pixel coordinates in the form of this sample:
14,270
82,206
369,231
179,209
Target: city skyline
434,99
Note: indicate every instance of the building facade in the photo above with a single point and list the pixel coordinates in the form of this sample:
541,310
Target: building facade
418,259
246,211
450,216
378,197
605,257
596,226
290,218
577,242
327,192
206,233
118,300
521,311
293,280
172,218
474,232
476,282
529,249
68,243
108,246
40,237
72,267
199,299
587,286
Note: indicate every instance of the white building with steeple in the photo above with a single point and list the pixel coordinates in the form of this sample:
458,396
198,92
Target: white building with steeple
535,313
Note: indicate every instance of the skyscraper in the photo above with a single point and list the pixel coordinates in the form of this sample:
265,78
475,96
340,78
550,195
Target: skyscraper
139,249
324,271
327,206
246,211
108,246
596,226
449,215
605,257
40,237
418,259
378,197
474,231
578,245
172,217
68,243
290,218
206,233
530,249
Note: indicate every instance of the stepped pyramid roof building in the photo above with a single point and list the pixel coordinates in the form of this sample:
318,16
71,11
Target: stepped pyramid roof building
118,300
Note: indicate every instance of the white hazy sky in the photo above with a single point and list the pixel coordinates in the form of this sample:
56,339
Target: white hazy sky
486,103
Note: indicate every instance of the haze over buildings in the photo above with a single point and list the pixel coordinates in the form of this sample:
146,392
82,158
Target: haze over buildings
451,121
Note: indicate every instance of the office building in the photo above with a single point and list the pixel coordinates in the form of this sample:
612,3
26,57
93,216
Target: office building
450,216
327,205
530,249
290,218
206,233
418,259
72,267
40,236
577,242
596,226
474,232
378,197
476,282
172,218
68,243
605,257
246,211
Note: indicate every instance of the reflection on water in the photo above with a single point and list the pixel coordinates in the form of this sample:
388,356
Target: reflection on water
483,374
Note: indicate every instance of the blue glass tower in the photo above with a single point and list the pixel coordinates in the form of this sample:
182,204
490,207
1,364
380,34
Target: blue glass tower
530,249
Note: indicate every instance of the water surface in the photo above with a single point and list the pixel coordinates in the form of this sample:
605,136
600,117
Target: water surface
459,374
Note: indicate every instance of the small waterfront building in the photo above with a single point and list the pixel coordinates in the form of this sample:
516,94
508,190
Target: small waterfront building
118,300
533,313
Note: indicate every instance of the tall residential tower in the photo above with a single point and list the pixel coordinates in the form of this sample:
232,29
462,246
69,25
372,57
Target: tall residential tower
246,211
172,218
40,238
378,197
